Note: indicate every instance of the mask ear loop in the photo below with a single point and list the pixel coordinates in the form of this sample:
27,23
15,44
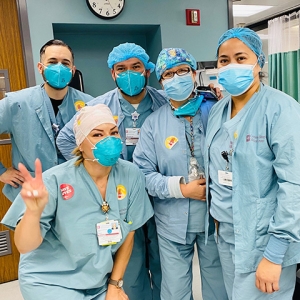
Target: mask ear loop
93,148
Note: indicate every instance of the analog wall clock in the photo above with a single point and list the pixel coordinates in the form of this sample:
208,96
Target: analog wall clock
106,9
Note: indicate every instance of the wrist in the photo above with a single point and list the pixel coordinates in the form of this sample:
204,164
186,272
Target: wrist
33,214
116,283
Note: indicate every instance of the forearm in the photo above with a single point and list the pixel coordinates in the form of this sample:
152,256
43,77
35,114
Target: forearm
122,257
2,168
28,233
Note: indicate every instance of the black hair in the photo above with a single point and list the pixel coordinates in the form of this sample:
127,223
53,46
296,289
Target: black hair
55,43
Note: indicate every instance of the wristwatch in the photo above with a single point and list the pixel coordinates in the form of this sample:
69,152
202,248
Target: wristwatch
117,283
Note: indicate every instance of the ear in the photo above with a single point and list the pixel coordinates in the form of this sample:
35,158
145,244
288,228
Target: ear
148,73
40,67
162,87
73,70
194,75
113,74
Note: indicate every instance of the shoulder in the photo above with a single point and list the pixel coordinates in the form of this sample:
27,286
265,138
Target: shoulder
80,94
61,170
21,94
128,170
220,105
273,96
161,112
105,98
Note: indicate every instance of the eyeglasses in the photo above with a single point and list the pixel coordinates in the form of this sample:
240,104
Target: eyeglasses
179,72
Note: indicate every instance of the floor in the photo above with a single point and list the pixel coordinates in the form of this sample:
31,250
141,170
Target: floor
11,291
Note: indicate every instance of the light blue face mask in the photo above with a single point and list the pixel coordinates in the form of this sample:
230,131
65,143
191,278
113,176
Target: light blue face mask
236,78
57,75
179,88
190,108
107,151
130,82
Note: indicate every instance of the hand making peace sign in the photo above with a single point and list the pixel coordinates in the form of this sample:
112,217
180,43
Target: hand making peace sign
34,192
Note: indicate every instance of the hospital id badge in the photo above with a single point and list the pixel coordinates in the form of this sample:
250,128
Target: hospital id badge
225,177
109,232
132,136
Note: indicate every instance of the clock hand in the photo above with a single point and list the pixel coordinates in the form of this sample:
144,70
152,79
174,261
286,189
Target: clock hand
109,4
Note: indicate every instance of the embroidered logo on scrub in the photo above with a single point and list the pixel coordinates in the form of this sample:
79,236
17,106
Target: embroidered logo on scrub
67,191
116,119
79,104
170,142
121,192
255,138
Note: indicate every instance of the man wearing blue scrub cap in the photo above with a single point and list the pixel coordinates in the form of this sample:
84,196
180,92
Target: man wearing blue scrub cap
131,103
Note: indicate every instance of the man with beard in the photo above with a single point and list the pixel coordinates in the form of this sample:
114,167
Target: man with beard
34,116
131,103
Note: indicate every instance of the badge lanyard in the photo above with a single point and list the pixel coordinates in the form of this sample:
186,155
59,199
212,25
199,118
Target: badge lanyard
194,169
109,231
225,177
105,208
134,117
225,155
55,127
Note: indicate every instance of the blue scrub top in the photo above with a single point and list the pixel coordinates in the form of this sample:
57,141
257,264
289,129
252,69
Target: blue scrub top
70,255
144,110
224,140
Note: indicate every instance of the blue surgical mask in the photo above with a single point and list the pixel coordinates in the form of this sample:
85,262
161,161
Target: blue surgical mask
130,82
107,151
190,108
179,88
57,75
236,78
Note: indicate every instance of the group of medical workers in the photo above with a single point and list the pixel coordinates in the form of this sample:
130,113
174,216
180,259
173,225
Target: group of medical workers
152,174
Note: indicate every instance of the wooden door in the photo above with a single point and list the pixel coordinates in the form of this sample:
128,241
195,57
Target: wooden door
11,59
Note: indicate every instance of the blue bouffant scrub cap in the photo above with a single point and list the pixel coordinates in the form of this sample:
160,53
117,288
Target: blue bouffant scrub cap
249,37
129,50
171,57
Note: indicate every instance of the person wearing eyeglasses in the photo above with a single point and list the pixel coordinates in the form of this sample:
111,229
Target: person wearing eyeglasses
170,154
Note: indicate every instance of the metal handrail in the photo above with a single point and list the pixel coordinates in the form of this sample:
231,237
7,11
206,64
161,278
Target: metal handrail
5,141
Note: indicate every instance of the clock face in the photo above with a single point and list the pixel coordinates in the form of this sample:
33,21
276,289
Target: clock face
106,9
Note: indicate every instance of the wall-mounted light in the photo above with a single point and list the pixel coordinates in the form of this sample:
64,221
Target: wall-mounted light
192,17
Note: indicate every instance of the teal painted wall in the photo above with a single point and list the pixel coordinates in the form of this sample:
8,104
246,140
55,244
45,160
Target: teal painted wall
154,24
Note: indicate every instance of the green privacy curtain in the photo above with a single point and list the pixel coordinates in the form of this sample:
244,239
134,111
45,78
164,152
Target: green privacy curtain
284,54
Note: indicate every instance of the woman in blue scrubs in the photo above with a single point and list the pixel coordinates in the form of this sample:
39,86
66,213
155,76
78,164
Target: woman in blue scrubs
253,161
74,225
170,154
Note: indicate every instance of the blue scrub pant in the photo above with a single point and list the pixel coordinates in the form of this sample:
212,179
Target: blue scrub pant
37,291
142,279
176,262
242,286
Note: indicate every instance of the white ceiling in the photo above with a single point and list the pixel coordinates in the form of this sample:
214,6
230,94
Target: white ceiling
278,6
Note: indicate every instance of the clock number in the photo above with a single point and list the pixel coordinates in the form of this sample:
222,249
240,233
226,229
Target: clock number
107,13
119,5
94,4
114,11
100,9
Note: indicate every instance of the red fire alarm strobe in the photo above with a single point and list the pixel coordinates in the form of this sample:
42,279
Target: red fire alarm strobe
192,17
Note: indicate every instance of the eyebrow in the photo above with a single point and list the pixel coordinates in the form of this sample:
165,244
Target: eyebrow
55,59
101,130
134,64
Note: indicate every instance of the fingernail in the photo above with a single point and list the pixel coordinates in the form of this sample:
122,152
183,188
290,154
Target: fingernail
35,193
29,193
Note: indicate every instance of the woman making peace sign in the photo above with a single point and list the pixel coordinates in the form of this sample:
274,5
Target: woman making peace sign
75,224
